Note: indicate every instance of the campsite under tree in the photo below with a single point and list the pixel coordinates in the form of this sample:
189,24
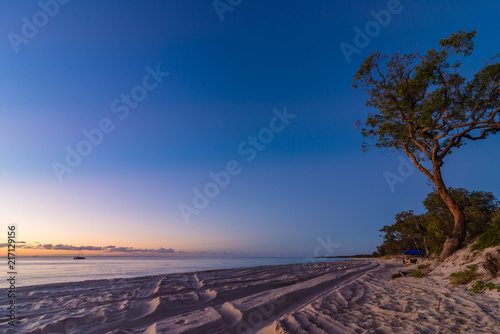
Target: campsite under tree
426,108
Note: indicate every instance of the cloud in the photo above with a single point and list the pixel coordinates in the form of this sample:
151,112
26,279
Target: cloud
91,248
16,243
163,250
30,246
115,249
109,248
120,249
65,247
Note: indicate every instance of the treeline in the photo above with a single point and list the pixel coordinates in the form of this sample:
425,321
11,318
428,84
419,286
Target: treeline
427,232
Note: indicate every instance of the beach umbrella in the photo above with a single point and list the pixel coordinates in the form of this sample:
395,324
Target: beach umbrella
413,252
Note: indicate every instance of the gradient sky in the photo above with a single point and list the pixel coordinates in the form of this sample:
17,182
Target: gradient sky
311,182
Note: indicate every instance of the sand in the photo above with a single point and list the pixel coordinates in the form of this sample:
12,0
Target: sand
355,296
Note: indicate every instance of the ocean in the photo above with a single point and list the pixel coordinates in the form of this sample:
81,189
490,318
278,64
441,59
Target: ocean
38,270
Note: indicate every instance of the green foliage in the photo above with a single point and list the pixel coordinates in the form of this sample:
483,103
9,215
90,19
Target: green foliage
427,232
495,220
417,274
479,286
464,277
404,234
492,286
425,107
490,238
478,208
423,266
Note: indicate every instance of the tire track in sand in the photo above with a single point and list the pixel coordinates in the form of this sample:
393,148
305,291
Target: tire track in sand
268,325
204,295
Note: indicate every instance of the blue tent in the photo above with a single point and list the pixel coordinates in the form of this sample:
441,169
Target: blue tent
413,252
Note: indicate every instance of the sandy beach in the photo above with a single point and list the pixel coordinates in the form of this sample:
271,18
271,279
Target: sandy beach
355,296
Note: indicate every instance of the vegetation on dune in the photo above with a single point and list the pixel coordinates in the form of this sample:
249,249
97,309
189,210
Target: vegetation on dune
423,266
464,277
428,232
417,274
491,235
480,286
427,109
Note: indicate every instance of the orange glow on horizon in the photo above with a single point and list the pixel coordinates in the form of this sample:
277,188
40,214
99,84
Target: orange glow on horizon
21,252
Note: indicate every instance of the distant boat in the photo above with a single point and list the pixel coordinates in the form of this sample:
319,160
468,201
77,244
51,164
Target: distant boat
79,256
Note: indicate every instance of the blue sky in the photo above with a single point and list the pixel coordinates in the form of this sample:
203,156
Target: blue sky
311,181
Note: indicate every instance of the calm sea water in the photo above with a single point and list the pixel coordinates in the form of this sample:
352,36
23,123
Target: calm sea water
34,271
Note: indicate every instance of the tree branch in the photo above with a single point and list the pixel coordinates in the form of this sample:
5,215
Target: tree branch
416,163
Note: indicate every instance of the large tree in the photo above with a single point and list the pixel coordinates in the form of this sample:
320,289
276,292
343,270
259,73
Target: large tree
426,108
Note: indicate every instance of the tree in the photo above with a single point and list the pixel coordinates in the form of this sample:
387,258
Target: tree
426,109
427,232
407,232
478,208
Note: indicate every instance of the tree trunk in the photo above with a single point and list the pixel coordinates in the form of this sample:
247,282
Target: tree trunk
459,230
414,241
425,246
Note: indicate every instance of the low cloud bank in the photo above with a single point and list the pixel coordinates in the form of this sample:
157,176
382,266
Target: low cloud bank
109,248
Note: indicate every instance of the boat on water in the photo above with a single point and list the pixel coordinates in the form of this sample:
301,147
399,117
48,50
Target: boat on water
79,256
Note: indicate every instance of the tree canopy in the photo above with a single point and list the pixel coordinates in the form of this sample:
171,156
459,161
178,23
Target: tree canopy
428,231
426,108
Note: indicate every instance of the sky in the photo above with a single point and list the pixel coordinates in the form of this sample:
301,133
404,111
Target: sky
212,127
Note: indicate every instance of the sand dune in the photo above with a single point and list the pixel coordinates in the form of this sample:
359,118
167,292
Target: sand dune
328,297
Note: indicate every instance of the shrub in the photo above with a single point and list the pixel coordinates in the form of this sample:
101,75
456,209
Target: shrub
417,274
490,238
491,286
464,277
479,286
423,265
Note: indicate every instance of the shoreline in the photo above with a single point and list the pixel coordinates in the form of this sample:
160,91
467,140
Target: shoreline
331,297
63,270
145,277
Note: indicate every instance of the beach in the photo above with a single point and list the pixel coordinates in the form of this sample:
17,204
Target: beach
355,296
45,270
250,167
